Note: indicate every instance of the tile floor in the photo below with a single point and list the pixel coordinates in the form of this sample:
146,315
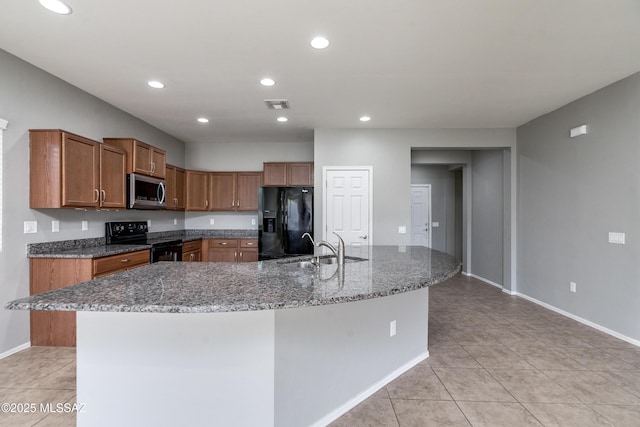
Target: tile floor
495,360
499,360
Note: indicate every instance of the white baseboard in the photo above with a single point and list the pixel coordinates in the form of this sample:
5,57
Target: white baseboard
509,292
581,320
343,409
497,285
464,273
15,350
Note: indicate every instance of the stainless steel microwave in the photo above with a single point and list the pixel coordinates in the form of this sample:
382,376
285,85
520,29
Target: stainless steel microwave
144,192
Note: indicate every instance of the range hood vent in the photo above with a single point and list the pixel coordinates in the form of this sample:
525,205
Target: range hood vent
277,104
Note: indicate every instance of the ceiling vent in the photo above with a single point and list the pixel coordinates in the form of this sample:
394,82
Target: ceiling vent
277,104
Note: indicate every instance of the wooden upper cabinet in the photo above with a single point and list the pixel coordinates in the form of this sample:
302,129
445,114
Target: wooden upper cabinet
247,190
275,174
299,174
142,158
68,170
197,190
288,174
175,181
113,182
222,190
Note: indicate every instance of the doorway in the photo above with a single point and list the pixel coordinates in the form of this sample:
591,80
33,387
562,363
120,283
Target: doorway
421,215
347,204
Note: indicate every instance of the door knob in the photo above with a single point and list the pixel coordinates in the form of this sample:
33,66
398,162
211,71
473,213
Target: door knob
363,237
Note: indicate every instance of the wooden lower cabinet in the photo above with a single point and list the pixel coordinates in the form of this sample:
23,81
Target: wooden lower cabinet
232,250
192,251
58,328
248,250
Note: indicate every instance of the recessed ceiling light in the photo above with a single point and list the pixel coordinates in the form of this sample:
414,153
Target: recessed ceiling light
267,82
56,6
282,119
319,42
203,120
156,84
365,118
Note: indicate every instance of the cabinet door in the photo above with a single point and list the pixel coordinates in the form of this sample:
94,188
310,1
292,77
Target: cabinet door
158,162
247,197
197,198
222,191
223,255
55,328
142,158
275,174
180,190
80,172
113,165
248,250
192,256
170,180
299,174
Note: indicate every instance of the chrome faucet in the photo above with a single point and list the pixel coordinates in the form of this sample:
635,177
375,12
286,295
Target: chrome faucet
339,253
315,260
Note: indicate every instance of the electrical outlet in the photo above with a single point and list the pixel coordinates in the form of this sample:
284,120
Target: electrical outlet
253,221
572,286
402,229
175,221
212,221
30,227
617,238
55,226
148,223
392,328
85,225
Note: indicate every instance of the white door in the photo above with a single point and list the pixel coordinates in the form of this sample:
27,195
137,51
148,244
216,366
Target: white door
347,205
421,215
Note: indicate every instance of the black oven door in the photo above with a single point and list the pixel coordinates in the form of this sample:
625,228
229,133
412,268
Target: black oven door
169,252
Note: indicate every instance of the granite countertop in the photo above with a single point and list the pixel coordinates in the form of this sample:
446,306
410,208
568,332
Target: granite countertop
180,287
96,248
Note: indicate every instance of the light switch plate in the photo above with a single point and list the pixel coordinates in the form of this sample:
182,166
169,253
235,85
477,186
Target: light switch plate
617,238
435,224
212,221
30,227
55,226
402,229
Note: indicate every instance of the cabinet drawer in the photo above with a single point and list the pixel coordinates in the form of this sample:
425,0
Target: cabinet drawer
191,246
115,263
223,243
249,243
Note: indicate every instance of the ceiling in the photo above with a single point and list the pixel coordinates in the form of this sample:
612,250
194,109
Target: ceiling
405,63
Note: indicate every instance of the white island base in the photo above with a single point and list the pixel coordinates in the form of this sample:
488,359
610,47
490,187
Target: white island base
287,367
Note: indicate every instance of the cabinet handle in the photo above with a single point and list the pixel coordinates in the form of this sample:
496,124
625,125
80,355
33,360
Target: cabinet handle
125,260
104,195
224,243
153,167
175,201
235,256
97,196
250,243
206,203
193,256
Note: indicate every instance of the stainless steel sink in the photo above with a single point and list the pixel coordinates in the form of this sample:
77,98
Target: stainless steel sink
324,260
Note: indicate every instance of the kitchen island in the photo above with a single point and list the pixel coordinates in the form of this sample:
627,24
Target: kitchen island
273,343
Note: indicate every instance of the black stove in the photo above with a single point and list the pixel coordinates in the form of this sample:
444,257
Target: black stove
135,233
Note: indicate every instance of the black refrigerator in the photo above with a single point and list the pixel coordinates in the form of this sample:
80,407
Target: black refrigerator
284,215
